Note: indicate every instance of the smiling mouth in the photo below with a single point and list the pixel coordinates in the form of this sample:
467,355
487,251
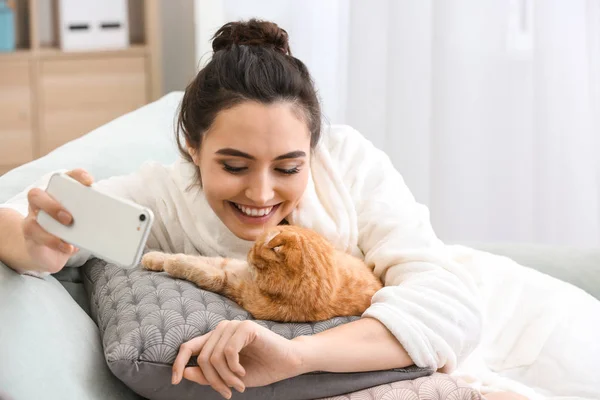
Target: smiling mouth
254,212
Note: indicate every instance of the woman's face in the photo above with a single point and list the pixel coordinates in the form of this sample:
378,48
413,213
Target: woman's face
254,163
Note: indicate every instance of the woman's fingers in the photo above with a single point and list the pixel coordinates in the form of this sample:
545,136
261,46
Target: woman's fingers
195,374
186,351
40,200
208,359
81,176
33,231
243,335
219,358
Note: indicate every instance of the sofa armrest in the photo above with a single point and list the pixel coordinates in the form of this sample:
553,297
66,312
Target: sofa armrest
578,266
51,348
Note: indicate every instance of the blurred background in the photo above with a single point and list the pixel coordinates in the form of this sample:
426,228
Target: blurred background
489,109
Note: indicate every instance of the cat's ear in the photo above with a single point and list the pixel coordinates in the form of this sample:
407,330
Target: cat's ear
270,236
277,249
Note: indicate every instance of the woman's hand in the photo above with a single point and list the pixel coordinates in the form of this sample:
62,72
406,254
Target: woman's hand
238,354
47,252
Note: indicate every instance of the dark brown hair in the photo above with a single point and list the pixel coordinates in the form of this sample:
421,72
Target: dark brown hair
251,61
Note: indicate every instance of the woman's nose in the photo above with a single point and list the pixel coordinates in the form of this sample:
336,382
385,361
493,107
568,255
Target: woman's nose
260,191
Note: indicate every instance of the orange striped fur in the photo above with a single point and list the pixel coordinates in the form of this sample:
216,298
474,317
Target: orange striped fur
292,274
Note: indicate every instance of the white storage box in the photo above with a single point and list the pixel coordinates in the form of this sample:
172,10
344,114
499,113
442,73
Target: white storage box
93,25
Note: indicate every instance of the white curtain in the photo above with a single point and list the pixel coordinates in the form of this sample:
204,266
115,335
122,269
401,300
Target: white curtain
489,109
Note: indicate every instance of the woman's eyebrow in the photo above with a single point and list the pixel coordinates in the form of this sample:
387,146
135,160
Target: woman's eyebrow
237,153
291,154
234,153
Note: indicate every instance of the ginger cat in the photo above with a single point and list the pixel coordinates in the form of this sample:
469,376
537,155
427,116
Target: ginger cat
292,275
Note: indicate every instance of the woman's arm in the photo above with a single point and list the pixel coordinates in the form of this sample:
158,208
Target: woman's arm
28,249
24,245
241,354
362,345
430,302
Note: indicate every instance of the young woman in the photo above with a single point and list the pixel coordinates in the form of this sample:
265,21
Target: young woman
254,154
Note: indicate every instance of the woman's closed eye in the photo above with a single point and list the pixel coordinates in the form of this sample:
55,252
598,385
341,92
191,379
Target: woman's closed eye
288,171
232,169
237,170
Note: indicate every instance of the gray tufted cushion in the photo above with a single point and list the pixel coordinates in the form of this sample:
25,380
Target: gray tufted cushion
145,316
434,387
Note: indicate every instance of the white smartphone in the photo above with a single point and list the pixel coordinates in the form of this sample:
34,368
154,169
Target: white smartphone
109,227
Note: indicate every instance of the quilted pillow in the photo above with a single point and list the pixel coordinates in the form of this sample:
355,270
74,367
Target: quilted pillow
434,387
145,316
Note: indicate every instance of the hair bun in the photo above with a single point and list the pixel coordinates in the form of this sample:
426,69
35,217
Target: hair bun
252,33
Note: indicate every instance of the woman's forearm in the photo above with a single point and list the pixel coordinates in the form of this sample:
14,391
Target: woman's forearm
362,345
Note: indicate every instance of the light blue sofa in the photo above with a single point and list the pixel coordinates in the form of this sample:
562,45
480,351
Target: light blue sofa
50,348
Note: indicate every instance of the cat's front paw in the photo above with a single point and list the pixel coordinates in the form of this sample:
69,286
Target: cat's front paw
154,261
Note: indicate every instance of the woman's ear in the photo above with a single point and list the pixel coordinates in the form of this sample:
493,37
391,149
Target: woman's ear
194,153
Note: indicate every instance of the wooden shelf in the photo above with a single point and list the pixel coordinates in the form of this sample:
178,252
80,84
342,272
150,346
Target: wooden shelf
49,96
53,52
56,53
19,54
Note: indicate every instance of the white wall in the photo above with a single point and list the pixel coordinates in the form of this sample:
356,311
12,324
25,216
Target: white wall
316,31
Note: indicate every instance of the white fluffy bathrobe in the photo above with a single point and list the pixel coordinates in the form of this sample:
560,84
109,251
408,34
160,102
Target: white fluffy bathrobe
497,324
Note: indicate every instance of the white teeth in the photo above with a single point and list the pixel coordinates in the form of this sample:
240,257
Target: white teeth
254,212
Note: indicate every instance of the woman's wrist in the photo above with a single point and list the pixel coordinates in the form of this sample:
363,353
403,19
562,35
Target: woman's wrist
306,348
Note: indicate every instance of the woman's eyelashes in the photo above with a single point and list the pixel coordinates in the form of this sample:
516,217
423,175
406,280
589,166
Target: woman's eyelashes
238,170
232,169
289,171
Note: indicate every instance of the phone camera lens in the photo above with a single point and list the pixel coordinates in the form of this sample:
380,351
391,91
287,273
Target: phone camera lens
142,217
